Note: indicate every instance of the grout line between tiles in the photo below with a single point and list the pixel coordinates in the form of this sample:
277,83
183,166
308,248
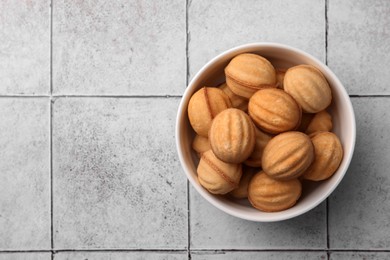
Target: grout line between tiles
96,250
288,250
188,222
196,251
327,223
90,96
51,47
369,96
24,251
360,250
259,250
117,96
209,251
51,177
188,38
326,31
51,131
25,96
122,250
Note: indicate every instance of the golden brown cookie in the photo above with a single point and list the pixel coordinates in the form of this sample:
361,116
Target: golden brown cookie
200,144
271,195
241,191
307,85
280,78
246,73
322,121
232,136
237,101
328,156
274,111
217,176
203,106
254,160
288,155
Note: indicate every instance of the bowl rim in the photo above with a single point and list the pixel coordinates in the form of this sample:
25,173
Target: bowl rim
182,109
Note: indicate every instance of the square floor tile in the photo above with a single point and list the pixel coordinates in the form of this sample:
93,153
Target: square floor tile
259,255
215,26
359,43
117,179
121,255
359,208
214,229
119,47
25,47
24,173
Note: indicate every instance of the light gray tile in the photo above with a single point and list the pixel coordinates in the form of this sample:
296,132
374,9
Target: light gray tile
119,47
215,26
214,229
359,256
25,256
259,255
116,174
25,47
359,44
359,208
121,255
24,174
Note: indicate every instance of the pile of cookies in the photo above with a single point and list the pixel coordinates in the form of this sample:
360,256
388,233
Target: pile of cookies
263,132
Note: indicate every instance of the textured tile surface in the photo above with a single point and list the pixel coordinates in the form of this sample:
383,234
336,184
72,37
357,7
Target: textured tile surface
359,208
214,229
359,44
260,255
24,174
116,174
25,47
215,26
359,256
119,47
25,256
117,182
121,256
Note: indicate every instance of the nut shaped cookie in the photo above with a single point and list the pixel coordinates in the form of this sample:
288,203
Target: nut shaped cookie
201,144
246,73
262,139
287,156
241,191
307,85
237,101
328,156
322,121
217,176
274,111
232,136
267,194
280,78
203,106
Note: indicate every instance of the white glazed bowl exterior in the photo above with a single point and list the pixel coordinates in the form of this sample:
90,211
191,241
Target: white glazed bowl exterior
282,56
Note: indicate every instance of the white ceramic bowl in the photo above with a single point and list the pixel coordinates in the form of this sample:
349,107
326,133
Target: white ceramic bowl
281,56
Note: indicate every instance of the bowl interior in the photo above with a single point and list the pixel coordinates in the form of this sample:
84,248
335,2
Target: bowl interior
281,56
